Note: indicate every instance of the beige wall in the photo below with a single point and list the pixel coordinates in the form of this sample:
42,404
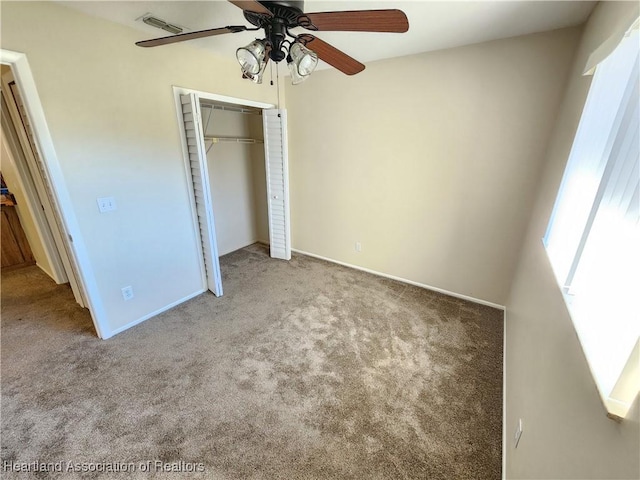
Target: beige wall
237,179
430,161
548,383
109,106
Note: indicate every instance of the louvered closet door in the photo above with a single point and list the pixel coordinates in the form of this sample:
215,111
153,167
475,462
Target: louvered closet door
200,175
277,167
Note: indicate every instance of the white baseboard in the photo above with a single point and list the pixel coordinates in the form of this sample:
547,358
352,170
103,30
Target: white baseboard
47,272
403,280
153,314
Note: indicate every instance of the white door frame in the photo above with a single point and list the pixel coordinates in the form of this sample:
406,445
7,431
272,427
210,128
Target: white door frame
33,205
38,202
26,84
177,91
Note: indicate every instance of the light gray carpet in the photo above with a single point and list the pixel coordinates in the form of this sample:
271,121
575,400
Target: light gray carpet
303,369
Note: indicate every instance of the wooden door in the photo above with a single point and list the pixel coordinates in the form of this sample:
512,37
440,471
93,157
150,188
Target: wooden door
15,247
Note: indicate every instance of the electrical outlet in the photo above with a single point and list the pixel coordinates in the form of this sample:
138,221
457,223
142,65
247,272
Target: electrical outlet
518,434
127,293
106,204
358,247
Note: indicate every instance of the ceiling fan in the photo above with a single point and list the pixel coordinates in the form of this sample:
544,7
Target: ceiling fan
301,51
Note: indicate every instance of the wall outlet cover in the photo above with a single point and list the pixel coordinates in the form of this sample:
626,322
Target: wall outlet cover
127,293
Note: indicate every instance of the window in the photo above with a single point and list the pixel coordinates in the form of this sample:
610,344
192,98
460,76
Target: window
593,237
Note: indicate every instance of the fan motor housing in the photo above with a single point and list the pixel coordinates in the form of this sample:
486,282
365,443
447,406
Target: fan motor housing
287,11
284,3
285,16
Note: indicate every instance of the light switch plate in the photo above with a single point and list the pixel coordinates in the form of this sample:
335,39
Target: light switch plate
106,204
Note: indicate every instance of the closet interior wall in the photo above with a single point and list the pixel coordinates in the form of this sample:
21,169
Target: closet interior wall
237,177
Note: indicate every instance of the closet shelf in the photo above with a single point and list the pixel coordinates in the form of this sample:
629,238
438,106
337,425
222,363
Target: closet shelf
232,108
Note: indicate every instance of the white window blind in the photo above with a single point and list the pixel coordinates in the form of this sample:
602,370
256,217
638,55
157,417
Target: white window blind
593,238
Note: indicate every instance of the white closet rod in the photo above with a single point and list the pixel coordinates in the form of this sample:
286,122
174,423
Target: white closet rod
244,140
234,139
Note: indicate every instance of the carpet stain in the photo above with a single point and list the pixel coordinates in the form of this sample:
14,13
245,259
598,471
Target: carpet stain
303,369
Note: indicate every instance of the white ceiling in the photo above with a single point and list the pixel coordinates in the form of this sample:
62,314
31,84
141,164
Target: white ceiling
433,25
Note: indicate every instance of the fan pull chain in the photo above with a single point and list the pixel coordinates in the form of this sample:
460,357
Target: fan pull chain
278,84
271,72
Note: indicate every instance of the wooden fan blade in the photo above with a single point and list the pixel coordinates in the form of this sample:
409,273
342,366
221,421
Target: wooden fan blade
252,6
332,55
394,21
154,42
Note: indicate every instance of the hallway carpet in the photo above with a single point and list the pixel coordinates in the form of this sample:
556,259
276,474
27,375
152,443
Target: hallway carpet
302,370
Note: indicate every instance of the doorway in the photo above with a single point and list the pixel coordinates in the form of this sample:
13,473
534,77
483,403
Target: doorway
29,182
26,134
209,121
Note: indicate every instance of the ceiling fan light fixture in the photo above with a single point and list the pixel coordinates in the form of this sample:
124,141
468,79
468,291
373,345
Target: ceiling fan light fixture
278,18
255,78
296,78
301,62
252,58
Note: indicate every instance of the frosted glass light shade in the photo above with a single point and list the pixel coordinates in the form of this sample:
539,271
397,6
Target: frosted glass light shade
251,58
301,62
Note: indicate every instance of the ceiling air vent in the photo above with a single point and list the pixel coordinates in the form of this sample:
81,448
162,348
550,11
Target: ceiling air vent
158,23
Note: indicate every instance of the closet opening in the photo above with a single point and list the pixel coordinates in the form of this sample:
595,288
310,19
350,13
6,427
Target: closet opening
237,167
234,143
